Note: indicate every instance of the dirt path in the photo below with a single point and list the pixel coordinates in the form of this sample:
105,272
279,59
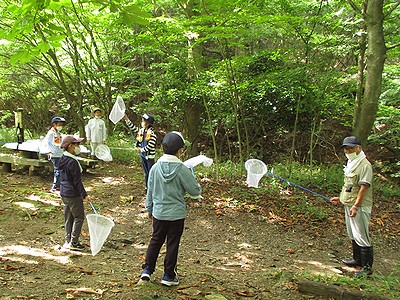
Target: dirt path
224,250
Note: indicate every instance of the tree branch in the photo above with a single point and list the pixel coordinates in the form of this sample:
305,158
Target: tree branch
354,6
392,46
391,9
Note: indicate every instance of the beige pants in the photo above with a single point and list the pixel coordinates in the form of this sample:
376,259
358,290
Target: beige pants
358,226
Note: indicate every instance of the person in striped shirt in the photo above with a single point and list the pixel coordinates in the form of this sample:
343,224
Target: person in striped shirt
146,140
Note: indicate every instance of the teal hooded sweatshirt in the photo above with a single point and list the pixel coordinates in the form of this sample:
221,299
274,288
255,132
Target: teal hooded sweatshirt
169,181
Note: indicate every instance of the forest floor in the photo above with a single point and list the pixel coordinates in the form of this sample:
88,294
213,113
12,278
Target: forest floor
229,247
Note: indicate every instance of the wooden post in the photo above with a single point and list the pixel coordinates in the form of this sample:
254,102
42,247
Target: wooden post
18,115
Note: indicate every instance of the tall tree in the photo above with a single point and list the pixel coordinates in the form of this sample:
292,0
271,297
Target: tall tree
371,63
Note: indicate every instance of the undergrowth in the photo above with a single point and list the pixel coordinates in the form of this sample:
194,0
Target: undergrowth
378,284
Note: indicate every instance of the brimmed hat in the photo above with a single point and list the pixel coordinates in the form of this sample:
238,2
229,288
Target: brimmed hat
57,119
173,141
68,140
351,141
97,109
148,118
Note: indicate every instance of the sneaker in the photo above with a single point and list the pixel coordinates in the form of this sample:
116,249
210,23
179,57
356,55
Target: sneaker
169,281
145,274
66,246
76,246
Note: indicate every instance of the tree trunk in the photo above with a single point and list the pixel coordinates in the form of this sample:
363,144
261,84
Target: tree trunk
376,55
193,107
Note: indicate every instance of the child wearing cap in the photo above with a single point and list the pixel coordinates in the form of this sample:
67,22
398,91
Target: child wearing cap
146,140
356,197
72,192
169,181
53,141
96,132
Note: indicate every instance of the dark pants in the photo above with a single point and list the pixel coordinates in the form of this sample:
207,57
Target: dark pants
147,164
74,215
56,177
164,230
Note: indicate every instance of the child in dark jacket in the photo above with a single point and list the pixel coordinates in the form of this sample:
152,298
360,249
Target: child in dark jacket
72,192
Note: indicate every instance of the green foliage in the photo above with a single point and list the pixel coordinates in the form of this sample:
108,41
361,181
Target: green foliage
381,285
386,191
287,66
7,135
387,126
309,210
122,148
323,179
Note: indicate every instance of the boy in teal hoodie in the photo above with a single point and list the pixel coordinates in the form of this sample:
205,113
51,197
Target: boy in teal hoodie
169,181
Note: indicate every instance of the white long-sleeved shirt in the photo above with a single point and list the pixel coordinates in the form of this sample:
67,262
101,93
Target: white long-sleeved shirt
53,141
96,130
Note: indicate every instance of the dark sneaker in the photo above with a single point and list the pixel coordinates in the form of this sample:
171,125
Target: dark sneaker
145,274
169,281
76,246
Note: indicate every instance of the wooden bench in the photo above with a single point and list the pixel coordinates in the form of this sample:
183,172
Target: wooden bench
7,160
87,163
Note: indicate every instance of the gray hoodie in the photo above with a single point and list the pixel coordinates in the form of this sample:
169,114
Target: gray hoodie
169,181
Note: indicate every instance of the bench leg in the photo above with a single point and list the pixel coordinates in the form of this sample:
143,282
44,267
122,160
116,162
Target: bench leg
6,167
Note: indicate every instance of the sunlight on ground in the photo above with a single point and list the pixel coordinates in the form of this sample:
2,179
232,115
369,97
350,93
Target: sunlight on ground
113,180
44,201
26,205
35,252
319,268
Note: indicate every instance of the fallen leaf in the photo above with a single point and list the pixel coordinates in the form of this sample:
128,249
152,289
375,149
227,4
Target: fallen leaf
243,293
83,290
11,268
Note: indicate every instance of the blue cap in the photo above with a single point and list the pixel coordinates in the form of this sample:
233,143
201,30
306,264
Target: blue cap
57,119
351,141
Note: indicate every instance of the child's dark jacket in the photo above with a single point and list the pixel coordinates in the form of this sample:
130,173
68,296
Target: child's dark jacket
71,185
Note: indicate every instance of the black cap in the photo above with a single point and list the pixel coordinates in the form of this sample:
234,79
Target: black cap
57,119
172,142
351,141
68,140
149,119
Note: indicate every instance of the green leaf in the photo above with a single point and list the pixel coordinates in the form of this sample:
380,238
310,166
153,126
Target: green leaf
134,9
43,47
55,27
56,38
114,8
20,57
130,19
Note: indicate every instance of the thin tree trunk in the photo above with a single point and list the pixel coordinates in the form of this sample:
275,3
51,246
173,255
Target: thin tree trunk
376,55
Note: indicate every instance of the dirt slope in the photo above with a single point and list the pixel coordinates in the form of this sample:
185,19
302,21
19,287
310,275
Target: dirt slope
239,253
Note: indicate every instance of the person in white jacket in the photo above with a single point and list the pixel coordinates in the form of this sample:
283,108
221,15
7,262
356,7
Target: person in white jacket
96,132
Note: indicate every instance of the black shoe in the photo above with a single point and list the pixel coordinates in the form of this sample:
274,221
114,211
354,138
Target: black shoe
367,259
366,271
351,262
356,261
76,246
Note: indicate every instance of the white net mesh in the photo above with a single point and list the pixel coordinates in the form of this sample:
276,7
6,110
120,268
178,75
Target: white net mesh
103,152
118,110
255,171
99,229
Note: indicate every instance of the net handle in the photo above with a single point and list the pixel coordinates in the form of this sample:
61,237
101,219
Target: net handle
91,205
292,183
